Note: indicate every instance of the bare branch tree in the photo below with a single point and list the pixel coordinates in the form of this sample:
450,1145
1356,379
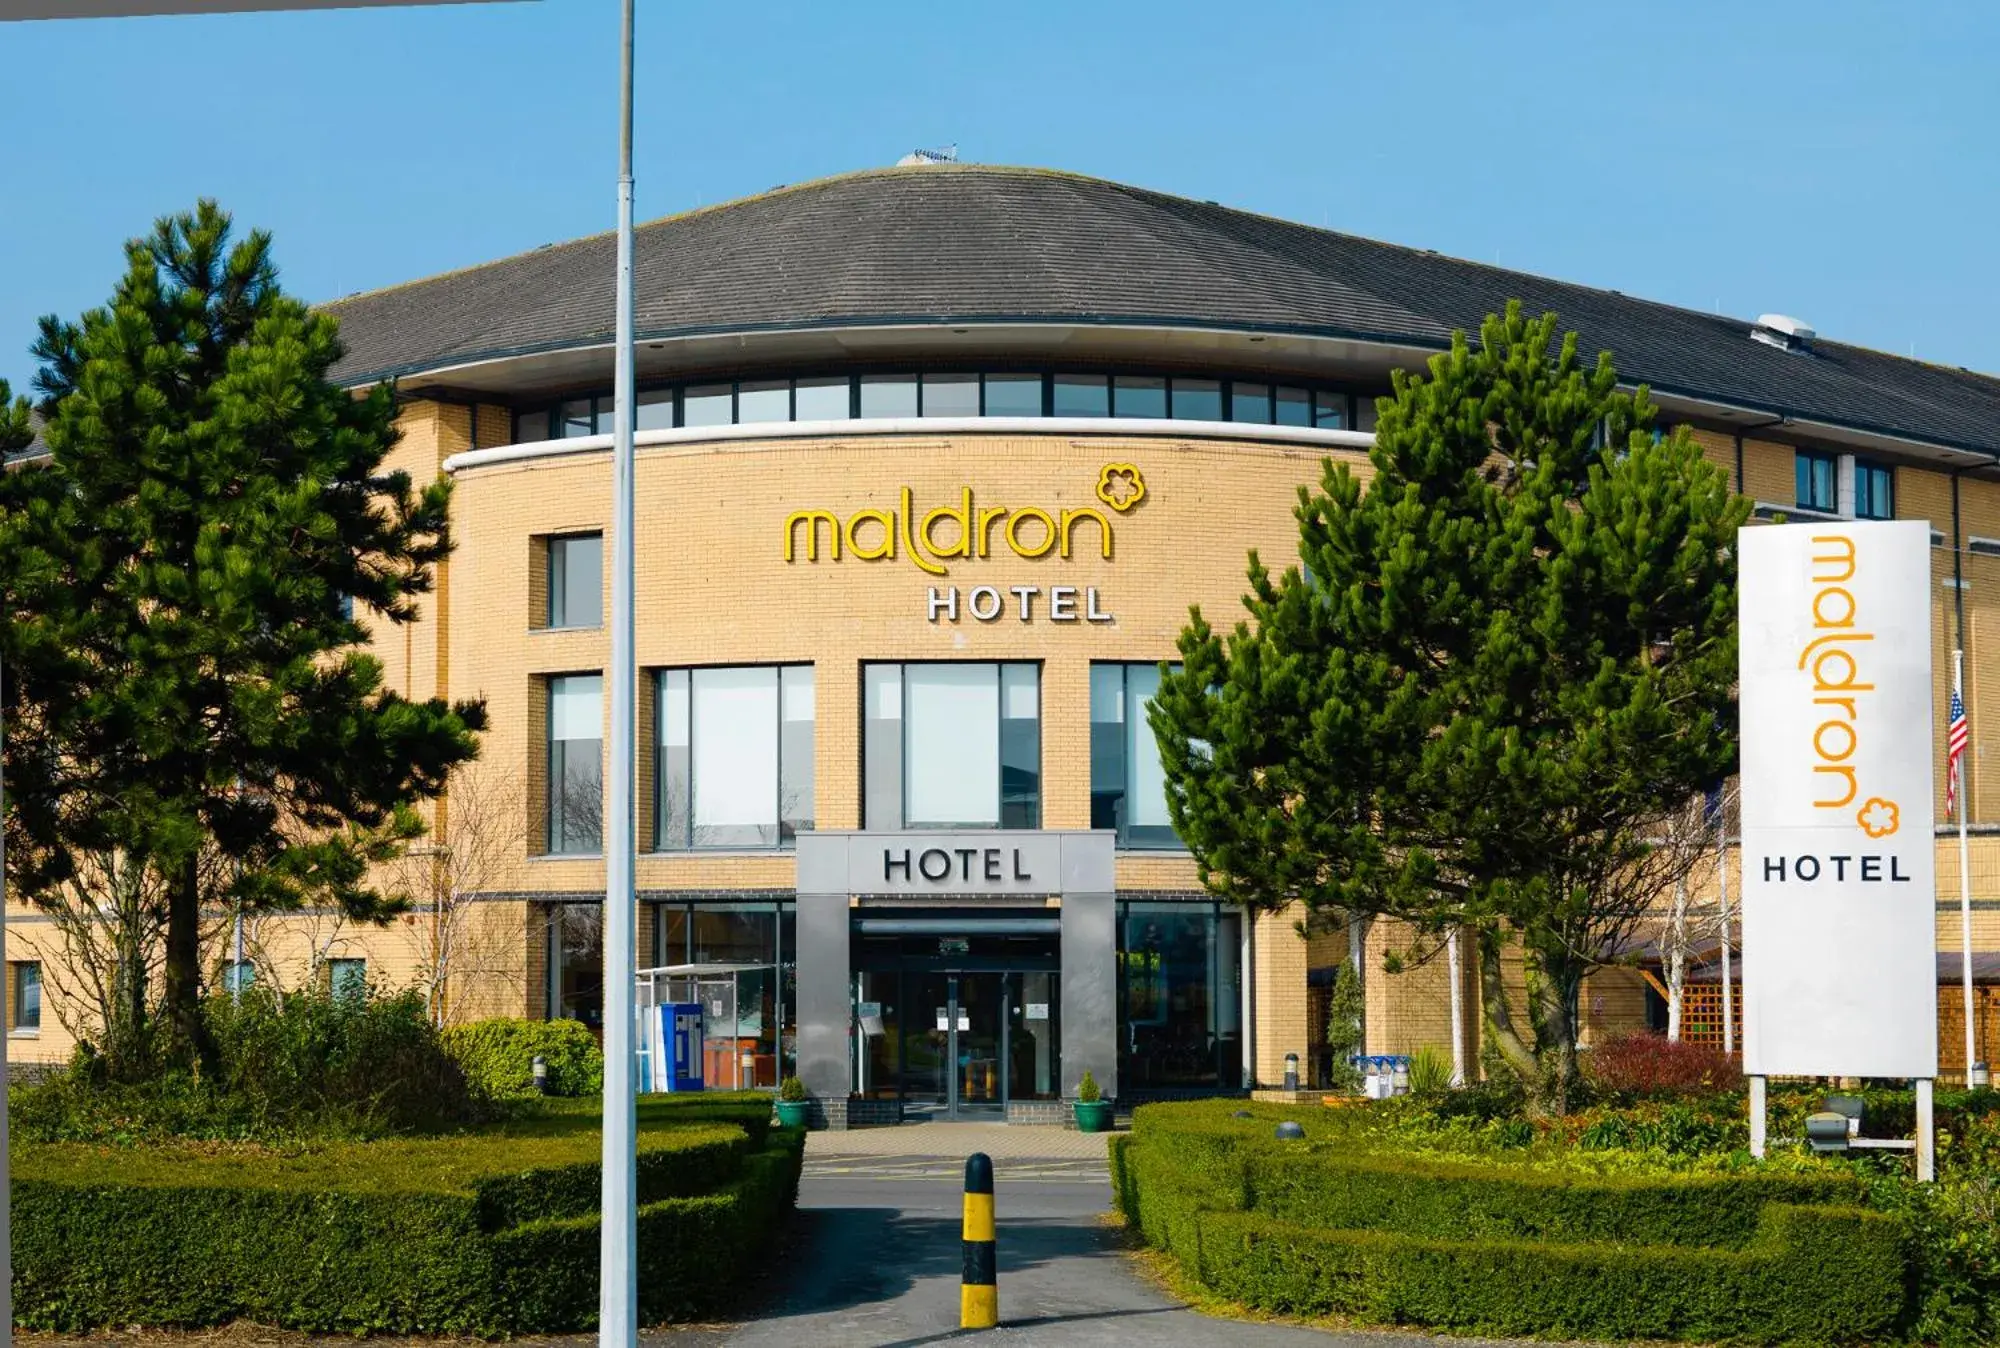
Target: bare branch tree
482,839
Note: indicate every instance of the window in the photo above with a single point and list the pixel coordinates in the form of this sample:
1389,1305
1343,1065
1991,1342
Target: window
1198,399
1136,396
1180,996
760,940
1082,395
1128,790
531,426
1874,491
954,745
238,976
1294,407
951,395
1013,395
1330,411
576,963
347,980
1815,477
888,395
708,405
576,580
576,764
654,410
578,416
735,760
822,400
1250,402
1364,413
764,400
27,995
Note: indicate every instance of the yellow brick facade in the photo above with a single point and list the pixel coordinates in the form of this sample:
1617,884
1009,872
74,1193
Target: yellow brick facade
714,587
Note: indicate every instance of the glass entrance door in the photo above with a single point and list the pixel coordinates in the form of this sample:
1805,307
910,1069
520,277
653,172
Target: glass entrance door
981,1048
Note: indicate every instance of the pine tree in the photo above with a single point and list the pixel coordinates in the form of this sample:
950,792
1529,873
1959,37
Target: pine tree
184,573
1500,660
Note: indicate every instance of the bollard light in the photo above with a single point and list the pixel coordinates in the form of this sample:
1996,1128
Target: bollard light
540,1067
979,1284
1291,1132
1826,1131
1291,1071
1242,1114
1979,1076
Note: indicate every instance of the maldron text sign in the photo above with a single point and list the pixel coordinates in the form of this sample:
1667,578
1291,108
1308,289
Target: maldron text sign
1839,883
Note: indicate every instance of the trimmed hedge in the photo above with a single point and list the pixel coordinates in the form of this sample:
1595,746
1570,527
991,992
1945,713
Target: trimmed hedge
1327,1226
498,1056
450,1237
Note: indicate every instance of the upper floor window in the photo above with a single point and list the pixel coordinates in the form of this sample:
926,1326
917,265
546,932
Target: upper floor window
347,980
1817,481
956,745
1128,789
576,764
997,393
576,580
735,760
1874,491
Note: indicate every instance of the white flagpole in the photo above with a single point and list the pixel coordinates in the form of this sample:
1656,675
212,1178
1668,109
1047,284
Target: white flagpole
1964,877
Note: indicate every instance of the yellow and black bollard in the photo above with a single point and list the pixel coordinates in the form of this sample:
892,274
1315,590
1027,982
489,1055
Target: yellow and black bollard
979,1289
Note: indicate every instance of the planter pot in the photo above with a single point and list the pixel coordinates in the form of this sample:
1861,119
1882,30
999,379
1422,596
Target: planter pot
1093,1116
793,1113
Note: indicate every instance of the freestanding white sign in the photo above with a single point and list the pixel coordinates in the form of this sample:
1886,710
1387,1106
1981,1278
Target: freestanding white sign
1839,886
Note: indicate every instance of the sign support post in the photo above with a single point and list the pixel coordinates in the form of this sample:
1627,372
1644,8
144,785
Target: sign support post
1759,1118
1926,1134
1964,890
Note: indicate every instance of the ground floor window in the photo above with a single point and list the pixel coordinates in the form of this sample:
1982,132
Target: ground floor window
1180,996
576,963
347,979
759,942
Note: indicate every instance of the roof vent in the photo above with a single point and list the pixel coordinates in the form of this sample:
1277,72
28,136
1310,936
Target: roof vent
1782,331
946,155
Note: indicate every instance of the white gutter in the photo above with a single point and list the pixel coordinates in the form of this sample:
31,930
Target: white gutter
1106,427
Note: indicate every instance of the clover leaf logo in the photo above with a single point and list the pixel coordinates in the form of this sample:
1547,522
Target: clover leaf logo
1879,818
1120,486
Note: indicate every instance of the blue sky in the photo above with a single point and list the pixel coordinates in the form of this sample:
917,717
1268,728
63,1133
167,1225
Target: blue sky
1830,160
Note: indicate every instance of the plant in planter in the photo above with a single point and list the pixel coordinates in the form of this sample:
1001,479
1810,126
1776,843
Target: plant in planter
1093,1111
792,1103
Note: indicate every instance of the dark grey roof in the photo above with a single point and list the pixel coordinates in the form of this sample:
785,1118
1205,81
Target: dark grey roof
968,243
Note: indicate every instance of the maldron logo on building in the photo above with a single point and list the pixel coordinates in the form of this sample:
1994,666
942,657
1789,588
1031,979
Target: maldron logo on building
965,530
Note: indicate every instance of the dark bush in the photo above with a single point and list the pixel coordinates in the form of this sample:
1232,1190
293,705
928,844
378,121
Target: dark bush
498,1056
1650,1064
288,1065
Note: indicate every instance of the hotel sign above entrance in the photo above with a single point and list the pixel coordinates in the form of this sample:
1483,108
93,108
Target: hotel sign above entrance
967,530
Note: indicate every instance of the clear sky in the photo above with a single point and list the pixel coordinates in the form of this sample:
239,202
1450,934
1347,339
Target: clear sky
1831,160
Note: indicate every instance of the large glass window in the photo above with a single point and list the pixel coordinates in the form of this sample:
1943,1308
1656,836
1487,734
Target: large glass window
708,405
1128,790
822,399
654,410
576,580
576,764
735,760
764,400
1815,476
1874,491
888,395
1198,399
576,963
531,426
1330,411
27,994
954,745
347,980
578,416
1082,395
951,395
753,1041
1250,402
1139,396
1180,996
1294,407
1013,395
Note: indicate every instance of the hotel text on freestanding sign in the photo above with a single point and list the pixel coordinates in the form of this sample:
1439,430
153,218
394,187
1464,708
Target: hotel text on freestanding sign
1839,890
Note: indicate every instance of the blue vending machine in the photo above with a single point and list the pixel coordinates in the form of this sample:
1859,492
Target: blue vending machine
681,1055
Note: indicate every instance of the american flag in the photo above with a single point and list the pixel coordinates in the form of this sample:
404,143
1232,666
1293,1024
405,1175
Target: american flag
1956,735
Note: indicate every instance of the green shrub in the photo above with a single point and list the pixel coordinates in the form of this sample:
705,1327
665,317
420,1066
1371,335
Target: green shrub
490,1235
1346,1223
498,1056
1430,1073
288,1065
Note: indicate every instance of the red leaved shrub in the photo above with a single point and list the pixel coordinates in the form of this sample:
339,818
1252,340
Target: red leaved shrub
1650,1064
